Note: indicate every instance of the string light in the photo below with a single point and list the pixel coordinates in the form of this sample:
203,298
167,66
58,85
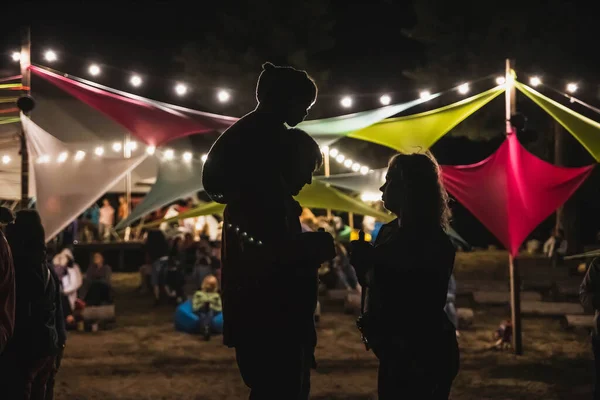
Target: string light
348,163
135,80
223,96
364,170
340,158
572,87
99,151
500,80
464,88
117,146
94,70
346,102
16,56
50,56
355,167
150,150
80,155
385,100
187,156
181,89
204,157
169,154
535,81
62,157
325,149
334,152
425,94
43,159
5,159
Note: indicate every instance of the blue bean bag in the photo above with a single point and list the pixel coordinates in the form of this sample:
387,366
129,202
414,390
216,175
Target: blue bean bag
187,321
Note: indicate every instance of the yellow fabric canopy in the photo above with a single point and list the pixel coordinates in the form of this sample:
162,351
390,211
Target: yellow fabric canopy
418,132
315,195
585,130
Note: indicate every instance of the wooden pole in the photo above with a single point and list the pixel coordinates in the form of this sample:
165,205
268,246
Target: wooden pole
127,154
26,82
327,172
515,281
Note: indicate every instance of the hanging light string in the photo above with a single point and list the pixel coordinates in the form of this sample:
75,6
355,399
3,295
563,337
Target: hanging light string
574,99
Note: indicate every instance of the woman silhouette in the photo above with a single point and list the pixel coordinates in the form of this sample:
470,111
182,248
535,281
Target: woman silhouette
406,275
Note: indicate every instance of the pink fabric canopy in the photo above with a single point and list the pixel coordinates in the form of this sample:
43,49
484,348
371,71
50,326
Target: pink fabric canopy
512,191
152,122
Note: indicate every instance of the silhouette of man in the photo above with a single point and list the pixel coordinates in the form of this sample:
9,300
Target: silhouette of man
262,239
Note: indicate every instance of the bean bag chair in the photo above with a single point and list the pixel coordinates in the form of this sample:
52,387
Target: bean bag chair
187,321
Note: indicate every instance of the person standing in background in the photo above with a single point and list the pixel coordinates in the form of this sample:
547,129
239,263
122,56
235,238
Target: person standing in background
107,220
123,209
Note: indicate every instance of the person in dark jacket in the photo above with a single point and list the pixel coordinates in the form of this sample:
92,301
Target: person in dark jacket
31,353
589,295
418,353
157,250
261,233
61,332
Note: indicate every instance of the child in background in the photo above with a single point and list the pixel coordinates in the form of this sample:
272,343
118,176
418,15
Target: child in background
207,303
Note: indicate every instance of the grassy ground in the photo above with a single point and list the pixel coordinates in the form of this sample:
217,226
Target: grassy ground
144,358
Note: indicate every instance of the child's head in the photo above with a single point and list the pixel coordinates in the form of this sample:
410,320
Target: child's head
286,91
98,259
302,157
210,284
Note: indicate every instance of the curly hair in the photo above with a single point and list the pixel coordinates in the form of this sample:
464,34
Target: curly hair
424,198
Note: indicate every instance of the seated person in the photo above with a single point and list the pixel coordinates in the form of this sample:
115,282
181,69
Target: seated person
206,303
71,281
98,282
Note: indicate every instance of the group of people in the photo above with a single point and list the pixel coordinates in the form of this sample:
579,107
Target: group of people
268,259
39,300
98,222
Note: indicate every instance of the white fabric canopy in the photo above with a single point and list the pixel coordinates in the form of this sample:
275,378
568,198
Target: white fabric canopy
65,188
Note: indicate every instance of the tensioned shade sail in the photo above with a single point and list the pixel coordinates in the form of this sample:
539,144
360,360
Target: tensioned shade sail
585,130
315,195
512,191
175,180
147,120
65,186
414,133
328,130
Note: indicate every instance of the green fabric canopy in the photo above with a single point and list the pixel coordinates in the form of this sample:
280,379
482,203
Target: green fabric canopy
419,132
9,120
315,195
585,130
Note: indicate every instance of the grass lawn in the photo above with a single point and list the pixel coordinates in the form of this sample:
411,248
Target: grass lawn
144,358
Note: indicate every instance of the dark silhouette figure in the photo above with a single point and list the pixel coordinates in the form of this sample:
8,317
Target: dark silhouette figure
7,284
30,356
589,295
406,274
262,239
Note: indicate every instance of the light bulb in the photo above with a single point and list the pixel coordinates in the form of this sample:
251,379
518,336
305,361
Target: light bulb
334,152
99,151
62,157
117,146
464,88
132,145
135,80
181,89
204,157
385,99
80,155
346,102
348,163
425,94
150,150
364,170
500,80
355,167
535,81
5,159
50,56
43,159
16,56
169,154
340,158
572,87
187,156
370,196
223,96
94,70
325,149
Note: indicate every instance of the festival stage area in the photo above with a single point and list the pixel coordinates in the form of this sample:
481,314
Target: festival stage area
144,358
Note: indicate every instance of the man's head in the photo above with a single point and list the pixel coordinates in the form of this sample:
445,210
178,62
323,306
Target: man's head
105,202
98,259
121,199
301,157
286,91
